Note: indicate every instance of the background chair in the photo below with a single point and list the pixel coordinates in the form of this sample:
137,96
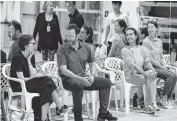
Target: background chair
116,65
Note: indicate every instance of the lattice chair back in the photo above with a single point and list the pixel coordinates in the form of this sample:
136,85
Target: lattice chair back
5,74
39,66
166,59
51,67
4,81
101,64
114,64
87,69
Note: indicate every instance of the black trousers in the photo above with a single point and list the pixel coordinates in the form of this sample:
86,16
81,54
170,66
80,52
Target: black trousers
77,88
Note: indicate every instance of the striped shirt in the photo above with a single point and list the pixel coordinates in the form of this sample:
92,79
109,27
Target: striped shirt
155,49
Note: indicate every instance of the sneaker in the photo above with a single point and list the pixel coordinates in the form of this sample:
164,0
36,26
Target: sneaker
106,116
155,108
63,109
148,111
78,117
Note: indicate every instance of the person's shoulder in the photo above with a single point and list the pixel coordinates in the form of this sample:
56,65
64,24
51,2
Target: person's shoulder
110,15
64,46
41,14
146,40
125,49
17,56
54,15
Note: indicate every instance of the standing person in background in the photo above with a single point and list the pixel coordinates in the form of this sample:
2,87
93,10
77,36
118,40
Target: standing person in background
14,32
75,16
143,33
154,45
117,14
3,57
47,27
119,40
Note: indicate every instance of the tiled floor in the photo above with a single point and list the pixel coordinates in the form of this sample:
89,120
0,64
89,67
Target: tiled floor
135,115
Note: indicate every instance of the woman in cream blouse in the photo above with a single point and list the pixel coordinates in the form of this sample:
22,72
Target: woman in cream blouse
138,69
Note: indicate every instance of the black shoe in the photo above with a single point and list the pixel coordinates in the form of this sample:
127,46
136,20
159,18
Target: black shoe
106,116
78,117
63,109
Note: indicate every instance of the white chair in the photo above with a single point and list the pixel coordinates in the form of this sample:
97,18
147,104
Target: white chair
114,64
100,63
167,63
51,68
27,96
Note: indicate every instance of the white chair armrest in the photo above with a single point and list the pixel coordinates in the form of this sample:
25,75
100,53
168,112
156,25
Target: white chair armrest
22,82
110,73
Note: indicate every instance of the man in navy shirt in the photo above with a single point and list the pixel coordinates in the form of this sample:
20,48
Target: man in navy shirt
75,16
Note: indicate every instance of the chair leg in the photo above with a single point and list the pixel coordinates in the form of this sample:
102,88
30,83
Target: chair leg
49,114
110,97
127,98
87,105
66,116
116,99
122,96
144,93
28,100
93,103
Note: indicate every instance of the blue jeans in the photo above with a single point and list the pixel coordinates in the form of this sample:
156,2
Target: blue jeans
170,78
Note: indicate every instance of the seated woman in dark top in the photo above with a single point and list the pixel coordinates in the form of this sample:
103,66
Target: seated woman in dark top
23,67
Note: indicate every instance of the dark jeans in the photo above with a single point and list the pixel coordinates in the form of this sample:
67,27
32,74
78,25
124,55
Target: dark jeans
109,47
170,78
77,88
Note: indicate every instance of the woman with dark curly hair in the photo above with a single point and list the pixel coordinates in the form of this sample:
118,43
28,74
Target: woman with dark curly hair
23,67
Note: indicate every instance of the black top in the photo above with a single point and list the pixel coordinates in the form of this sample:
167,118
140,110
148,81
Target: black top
76,18
20,64
3,57
47,39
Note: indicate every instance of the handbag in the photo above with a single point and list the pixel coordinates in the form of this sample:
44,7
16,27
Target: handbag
16,114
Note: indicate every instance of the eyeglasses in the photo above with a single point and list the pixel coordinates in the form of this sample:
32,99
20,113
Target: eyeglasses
33,43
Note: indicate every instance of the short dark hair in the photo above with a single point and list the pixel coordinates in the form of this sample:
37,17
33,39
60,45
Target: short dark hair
24,40
122,23
16,25
135,32
153,21
89,30
74,2
117,2
144,31
75,27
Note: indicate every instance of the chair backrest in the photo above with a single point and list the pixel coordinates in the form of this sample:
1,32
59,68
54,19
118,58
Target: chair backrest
6,77
166,59
51,68
112,63
4,81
